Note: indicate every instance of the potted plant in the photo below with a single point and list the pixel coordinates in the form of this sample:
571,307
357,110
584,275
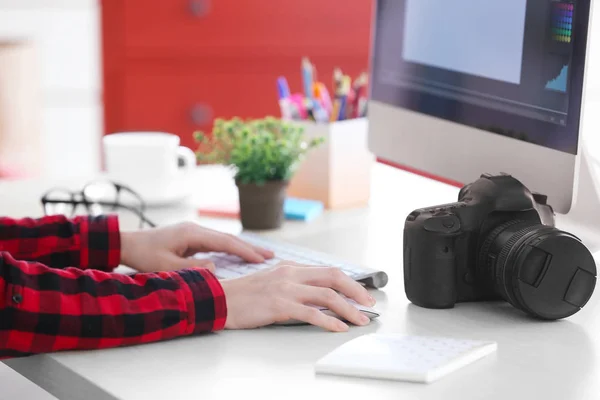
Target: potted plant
264,153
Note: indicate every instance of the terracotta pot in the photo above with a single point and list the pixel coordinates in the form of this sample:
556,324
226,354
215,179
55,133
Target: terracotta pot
261,206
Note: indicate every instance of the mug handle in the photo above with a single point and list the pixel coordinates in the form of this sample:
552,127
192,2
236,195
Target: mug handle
186,159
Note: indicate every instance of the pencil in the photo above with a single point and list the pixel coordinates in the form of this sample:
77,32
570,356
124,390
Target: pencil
337,81
335,110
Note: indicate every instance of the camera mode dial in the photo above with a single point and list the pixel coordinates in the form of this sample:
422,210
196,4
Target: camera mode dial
442,222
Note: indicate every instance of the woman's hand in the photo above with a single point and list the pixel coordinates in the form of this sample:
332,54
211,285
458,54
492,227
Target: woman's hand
286,292
169,248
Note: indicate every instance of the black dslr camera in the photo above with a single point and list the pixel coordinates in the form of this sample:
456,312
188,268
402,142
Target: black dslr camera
498,242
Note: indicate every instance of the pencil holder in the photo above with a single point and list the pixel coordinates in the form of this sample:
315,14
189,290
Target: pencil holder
338,173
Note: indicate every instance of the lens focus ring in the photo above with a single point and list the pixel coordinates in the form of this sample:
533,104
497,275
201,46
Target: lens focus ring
504,265
483,264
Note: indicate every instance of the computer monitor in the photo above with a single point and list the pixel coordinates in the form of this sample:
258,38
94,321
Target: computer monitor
464,87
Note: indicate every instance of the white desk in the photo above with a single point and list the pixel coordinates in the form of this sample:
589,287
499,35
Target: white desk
557,360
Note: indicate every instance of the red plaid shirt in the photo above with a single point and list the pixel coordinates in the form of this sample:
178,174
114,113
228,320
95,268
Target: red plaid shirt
58,291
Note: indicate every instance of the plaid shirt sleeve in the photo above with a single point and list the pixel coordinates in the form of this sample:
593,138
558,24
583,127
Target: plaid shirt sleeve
59,242
44,309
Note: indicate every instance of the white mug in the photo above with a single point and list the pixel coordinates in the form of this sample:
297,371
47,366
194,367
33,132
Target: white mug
151,163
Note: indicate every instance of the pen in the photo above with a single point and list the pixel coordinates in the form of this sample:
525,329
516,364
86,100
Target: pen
351,103
338,94
335,112
322,94
319,113
354,95
362,100
345,92
284,98
298,103
337,81
283,88
307,78
343,104
360,94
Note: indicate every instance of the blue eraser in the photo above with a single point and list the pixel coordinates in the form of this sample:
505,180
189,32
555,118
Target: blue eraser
302,209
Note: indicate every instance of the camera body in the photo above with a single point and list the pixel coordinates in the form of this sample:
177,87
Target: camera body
463,251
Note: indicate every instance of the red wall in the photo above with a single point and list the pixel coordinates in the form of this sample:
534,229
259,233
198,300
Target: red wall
174,65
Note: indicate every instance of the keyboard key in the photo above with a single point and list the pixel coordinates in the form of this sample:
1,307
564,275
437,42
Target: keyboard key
223,273
245,269
229,266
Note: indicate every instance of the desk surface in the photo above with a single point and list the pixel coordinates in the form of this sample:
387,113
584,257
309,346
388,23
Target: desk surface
556,360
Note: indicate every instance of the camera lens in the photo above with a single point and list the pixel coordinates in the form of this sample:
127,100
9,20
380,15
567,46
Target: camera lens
541,270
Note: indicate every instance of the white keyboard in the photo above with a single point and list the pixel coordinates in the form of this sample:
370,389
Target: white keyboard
229,266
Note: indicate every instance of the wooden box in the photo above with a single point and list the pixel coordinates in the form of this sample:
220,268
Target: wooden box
338,173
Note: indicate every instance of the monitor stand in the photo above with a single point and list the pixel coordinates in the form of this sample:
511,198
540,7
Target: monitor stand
583,220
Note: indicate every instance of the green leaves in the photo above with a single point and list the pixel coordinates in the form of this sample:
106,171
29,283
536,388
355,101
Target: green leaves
260,150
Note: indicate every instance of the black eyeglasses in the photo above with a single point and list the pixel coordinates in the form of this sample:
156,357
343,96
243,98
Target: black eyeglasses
97,197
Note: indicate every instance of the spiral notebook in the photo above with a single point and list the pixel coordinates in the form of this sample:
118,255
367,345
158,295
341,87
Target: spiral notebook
404,358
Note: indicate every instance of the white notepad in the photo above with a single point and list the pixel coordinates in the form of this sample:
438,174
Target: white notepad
405,358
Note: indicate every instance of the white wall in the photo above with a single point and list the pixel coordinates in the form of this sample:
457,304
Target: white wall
67,35
68,40
593,80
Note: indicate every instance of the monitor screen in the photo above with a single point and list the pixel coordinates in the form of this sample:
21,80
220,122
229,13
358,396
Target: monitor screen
511,67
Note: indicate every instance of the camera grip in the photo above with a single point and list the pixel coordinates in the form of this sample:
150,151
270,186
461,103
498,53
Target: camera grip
429,268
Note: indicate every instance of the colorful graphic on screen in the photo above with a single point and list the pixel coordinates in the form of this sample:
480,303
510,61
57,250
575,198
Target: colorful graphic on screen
562,22
560,82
